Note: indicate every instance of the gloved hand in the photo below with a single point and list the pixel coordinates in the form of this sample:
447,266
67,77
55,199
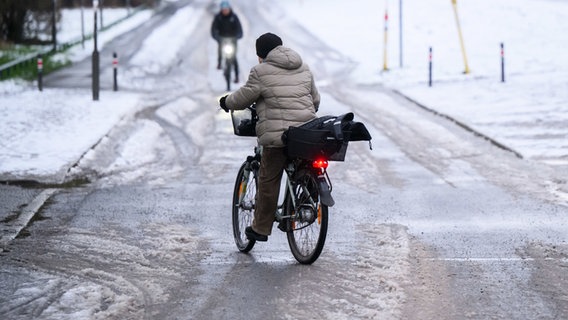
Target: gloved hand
222,103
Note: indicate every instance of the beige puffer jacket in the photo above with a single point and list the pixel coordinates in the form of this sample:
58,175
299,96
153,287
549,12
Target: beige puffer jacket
285,95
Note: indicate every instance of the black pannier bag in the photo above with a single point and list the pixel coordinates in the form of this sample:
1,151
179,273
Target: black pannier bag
327,137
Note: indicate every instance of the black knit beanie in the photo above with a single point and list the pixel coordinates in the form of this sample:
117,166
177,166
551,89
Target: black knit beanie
265,43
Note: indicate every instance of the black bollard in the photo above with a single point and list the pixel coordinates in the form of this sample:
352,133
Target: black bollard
40,72
502,63
95,58
114,69
95,74
430,68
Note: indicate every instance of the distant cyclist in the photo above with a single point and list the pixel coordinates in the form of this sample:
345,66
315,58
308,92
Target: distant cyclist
226,24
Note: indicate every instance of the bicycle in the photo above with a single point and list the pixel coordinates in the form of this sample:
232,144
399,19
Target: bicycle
304,212
228,51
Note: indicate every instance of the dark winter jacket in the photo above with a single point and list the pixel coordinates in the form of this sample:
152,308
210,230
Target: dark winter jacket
226,26
285,95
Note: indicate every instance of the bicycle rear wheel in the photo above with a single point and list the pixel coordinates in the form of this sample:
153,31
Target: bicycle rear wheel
308,228
244,204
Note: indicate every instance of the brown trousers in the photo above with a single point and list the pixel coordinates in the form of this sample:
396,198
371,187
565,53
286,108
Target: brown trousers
268,188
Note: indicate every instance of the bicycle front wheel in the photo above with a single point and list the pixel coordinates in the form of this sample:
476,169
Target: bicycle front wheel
244,204
308,229
227,73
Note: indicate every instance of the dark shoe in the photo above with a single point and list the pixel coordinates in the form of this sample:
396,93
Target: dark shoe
219,66
252,235
236,80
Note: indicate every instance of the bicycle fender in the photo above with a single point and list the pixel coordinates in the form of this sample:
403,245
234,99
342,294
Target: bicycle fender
325,192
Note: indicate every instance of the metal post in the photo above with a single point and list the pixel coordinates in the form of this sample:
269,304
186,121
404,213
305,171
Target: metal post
502,63
114,69
40,73
82,27
400,31
95,60
430,67
454,3
101,10
53,26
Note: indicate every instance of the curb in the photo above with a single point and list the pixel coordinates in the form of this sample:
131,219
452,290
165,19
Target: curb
461,124
13,229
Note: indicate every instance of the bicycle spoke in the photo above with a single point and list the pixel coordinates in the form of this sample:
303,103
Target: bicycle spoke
309,223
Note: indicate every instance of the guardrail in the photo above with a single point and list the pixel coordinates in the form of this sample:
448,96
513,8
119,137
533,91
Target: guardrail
29,61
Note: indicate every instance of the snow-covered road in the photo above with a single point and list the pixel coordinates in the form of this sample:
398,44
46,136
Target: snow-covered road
434,222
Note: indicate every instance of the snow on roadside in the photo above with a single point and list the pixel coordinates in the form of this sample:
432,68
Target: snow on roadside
71,29
161,47
48,132
522,113
527,112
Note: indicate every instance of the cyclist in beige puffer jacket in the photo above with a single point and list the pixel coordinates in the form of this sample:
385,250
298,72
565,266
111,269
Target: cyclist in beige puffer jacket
285,94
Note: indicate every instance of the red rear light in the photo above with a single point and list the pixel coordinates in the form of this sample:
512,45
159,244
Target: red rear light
320,164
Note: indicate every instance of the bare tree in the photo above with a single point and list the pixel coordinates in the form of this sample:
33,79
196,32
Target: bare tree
27,21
